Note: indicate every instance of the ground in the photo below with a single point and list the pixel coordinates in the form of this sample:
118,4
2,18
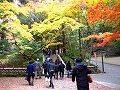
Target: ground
19,83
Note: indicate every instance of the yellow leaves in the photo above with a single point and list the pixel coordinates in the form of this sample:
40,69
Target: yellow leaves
7,6
52,9
53,44
15,22
40,27
25,27
68,12
106,34
8,14
111,1
52,17
69,20
71,8
16,27
91,3
23,33
26,35
8,10
53,23
24,10
11,7
91,36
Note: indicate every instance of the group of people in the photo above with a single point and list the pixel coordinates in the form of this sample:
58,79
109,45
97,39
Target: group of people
53,69
79,72
33,70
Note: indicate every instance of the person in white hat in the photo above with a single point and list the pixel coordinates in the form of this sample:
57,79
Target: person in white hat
37,69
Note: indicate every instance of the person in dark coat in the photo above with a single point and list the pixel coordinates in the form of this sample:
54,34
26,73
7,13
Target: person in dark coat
61,70
56,70
51,69
57,60
45,67
68,68
30,72
80,72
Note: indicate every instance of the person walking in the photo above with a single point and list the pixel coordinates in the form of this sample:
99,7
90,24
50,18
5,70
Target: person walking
45,67
48,52
68,68
30,72
80,72
37,69
57,60
56,70
51,68
61,69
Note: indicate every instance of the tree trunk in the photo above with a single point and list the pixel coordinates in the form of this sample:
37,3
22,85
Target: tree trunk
63,40
79,31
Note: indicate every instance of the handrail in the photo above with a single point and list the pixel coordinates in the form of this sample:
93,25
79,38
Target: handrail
61,60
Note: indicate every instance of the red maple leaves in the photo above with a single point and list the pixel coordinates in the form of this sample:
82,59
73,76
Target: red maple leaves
111,16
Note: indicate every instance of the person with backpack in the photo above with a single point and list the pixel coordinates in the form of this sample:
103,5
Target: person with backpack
37,69
61,69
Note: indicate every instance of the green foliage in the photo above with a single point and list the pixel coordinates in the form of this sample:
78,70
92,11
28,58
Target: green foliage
27,48
25,20
32,17
116,44
1,0
4,46
101,27
67,58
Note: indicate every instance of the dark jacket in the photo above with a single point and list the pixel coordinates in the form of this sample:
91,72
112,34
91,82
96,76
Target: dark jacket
80,72
56,67
30,69
61,67
44,65
51,66
57,61
68,66
37,65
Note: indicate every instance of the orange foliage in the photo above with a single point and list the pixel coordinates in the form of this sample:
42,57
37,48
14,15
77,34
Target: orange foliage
111,14
108,39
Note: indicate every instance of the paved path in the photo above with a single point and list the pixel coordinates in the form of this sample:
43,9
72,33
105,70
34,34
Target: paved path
111,77
108,81
19,83
109,60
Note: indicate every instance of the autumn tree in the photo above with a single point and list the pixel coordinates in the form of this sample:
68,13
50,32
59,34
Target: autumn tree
109,15
13,27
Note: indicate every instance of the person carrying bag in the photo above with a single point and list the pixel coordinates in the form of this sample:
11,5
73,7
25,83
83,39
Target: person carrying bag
80,72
